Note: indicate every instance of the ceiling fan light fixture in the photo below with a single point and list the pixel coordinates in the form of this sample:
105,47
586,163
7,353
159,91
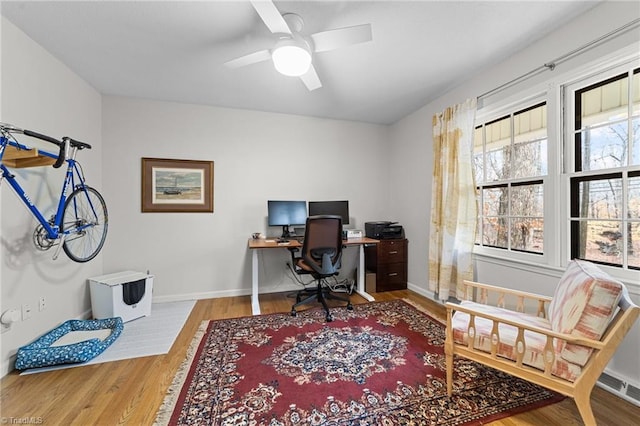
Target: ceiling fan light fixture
291,57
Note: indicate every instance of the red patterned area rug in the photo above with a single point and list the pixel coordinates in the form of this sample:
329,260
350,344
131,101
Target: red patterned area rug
380,364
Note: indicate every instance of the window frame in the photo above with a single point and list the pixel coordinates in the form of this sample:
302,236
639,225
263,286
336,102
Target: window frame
597,77
532,98
557,236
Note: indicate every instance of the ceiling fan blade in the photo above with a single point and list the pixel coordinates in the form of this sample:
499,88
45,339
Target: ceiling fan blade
252,58
341,37
311,79
271,16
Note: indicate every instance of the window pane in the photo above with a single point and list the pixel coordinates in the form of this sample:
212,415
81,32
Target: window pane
604,103
604,147
498,164
478,143
478,168
526,234
530,124
633,208
530,159
494,232
495,201
478,222
633,251
600,199
527,200
498,133
635,92
635,143
601,241
498,142
605,220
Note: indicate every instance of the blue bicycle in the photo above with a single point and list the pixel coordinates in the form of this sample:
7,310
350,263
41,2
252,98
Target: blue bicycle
80,223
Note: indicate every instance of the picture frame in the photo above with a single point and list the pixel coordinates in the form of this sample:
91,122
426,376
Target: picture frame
177,186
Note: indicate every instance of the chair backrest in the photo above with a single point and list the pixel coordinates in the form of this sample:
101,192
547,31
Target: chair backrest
322,246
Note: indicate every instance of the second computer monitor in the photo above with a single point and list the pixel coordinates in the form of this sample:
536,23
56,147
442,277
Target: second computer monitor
286,213
338,208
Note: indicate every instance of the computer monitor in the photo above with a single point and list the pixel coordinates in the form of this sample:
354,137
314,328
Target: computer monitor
338,208
286,213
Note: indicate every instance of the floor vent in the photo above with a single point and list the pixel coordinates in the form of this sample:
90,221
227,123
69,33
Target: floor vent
634,393
620,388
612,382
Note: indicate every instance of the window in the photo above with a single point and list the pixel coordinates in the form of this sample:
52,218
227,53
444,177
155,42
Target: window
557,169
510,160
605,180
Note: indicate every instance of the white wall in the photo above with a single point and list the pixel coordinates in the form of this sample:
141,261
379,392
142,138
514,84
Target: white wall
41,94
258,156
412,146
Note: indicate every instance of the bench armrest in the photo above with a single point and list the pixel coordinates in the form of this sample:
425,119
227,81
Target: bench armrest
483,291
451,307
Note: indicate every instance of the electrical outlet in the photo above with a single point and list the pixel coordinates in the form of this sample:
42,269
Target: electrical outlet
26,312
42,304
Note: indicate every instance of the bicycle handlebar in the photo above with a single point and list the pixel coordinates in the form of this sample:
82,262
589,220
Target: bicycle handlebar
8,128
43,137
61,157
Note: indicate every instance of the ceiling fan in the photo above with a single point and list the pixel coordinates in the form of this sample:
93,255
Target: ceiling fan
292,53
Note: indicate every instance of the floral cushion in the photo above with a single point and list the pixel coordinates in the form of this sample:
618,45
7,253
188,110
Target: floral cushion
583,305
534,342
43,353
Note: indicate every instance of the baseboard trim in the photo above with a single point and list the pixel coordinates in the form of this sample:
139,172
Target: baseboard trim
423,292
224,293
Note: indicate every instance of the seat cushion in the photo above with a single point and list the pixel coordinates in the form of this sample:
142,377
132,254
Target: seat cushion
534,342
584,303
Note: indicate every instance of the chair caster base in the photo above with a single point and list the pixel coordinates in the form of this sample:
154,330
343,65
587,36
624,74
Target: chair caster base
349,307
294,313
329,318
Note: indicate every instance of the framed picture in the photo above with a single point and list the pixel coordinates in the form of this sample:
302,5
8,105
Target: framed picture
177,185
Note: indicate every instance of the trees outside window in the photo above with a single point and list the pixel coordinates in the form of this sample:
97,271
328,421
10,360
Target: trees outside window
510,159
557,170
605,180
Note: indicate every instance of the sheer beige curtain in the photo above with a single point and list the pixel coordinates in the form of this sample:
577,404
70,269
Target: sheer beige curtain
453,201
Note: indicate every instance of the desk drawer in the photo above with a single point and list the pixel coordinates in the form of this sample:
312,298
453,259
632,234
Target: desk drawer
392,277
392,251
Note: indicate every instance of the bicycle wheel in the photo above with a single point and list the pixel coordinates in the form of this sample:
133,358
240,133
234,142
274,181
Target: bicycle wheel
85,222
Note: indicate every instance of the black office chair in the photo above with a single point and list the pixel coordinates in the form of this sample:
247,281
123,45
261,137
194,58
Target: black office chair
320,257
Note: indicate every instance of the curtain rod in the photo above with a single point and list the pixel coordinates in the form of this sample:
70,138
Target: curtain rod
551,65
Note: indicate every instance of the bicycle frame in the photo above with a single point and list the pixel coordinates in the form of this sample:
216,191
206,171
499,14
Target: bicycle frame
51,227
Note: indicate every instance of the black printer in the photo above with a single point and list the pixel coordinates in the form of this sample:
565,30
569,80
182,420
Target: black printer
383,230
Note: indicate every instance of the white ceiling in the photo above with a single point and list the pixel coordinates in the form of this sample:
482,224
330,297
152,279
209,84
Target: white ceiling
175,50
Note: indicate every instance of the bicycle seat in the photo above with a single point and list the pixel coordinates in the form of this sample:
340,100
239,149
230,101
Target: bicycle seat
76,144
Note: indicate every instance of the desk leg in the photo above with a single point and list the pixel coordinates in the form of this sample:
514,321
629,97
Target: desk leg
255,303
360,287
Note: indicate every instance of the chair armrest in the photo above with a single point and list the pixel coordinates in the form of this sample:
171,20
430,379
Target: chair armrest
582,341
503,293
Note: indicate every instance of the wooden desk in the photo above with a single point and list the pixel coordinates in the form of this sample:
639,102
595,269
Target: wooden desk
255,245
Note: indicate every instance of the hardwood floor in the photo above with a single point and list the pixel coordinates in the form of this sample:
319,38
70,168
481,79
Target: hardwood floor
129,392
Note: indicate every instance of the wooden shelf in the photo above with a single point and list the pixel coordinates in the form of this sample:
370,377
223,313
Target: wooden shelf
21,158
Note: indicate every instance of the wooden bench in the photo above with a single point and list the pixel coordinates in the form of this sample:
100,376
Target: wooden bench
563,343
